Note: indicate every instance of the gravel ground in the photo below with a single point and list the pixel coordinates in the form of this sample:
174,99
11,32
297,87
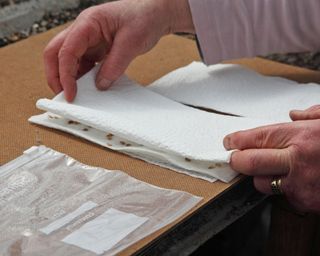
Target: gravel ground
53,19
4,3
48,21
305,60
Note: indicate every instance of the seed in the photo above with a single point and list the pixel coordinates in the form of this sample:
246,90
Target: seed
53,117
85,129
72,122
128,144
108,144
109,136
187,159
123,143
218,165
211,167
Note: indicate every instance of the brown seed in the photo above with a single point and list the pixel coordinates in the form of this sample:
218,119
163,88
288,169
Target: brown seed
85,129
128,144
187,159
123,143
50,116
211,167
218,165
73,122
108,144
109,136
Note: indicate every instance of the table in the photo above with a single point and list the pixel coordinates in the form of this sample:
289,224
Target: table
22,82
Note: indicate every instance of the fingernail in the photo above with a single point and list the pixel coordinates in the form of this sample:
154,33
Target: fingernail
104,84
226,142
296,111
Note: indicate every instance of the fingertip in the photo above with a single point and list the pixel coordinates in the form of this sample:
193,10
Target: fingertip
226,142
232,141
68,97
70,94
103,83
233,160
294,114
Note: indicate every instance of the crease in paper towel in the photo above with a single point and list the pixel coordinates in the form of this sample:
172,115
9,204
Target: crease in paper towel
236,90
141,116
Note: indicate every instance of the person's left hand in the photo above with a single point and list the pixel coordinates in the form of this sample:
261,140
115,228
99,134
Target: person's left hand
290,151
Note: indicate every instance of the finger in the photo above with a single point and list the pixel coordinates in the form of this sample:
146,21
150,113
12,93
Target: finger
81,37
84,67
117,61
92,56
261,162
308,114
263,184
272,136
51,63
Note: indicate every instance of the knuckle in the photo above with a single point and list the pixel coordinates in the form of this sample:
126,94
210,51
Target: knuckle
88,12
66,51
92,16
313,108
295,150
260,138
306,133
252,164
48,51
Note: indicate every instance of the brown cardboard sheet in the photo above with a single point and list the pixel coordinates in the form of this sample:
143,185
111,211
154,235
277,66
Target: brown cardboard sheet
22,82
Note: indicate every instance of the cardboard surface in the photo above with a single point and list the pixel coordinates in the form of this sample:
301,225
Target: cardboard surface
22,82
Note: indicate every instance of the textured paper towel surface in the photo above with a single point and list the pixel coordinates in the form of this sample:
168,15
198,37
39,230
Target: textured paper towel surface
142,117
236,90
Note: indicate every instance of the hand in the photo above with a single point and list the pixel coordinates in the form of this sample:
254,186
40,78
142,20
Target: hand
289,150
114,33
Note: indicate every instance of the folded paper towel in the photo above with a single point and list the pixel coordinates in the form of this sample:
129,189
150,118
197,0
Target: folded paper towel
144,124
236,90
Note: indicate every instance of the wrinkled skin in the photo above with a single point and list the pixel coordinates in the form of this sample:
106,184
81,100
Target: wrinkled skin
289,150
115,33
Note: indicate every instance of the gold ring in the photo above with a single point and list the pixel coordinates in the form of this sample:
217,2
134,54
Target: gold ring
276,186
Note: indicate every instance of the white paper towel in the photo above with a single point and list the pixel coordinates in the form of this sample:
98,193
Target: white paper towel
236,90
156,128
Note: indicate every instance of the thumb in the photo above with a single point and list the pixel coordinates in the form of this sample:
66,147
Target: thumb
308,114
116,62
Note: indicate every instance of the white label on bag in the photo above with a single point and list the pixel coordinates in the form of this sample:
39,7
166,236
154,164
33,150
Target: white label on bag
102,233
68,218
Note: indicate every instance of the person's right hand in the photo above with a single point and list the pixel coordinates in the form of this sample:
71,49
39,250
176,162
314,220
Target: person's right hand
114,33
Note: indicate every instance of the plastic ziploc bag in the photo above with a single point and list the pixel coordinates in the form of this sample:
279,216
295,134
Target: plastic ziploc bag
52,204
